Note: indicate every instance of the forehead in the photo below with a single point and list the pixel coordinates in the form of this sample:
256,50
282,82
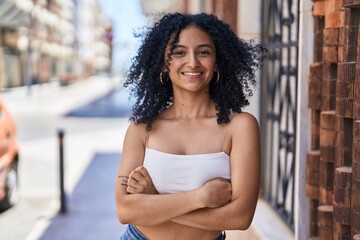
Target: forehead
192,36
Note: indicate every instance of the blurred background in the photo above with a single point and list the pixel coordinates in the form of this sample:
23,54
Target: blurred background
64,112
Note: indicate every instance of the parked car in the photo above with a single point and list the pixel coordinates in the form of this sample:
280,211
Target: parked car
9,158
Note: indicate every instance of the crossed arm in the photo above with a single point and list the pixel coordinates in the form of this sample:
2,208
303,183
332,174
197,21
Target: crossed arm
217,205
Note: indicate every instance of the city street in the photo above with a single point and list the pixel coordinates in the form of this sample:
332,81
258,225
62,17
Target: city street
92,148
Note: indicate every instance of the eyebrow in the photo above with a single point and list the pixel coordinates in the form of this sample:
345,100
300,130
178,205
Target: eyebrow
201,45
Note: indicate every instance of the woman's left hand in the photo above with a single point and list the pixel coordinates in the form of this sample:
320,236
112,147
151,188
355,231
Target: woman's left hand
140,182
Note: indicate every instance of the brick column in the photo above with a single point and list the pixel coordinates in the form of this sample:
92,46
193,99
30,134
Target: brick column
342,203
312,188
355,193
314,102
226,10
334,97
325,222
327,156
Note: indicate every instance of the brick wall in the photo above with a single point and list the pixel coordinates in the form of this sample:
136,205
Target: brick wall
333,164
226,10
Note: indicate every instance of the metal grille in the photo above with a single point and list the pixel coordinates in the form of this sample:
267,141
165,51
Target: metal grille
278,105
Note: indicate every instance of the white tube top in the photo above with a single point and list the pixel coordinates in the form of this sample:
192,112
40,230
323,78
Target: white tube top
172,173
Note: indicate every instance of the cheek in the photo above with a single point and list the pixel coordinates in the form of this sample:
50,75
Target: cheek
213,64
174,67
173,75
209,64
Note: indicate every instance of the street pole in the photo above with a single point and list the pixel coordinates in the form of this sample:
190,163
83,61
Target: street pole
61,169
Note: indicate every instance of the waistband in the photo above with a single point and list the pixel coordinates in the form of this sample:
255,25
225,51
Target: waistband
222,236
132,233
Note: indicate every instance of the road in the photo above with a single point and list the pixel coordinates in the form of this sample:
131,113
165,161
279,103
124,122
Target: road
92,145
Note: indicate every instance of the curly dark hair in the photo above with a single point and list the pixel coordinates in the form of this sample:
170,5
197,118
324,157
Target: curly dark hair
237,62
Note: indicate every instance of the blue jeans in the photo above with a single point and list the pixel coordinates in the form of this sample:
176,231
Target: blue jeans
132,233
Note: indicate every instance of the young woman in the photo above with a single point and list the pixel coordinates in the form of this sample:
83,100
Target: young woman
190,165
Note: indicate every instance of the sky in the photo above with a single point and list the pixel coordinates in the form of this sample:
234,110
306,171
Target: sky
126,17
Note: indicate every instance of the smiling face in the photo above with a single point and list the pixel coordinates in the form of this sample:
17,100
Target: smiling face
193,60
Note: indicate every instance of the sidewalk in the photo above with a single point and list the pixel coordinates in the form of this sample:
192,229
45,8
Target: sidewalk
56,100
90,197
91,212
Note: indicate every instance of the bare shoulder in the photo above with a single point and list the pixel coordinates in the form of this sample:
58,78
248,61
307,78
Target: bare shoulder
243,132
133,149
244,121
137,128
136,132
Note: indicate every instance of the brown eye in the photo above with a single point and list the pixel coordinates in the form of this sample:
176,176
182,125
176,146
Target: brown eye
179,53
204,52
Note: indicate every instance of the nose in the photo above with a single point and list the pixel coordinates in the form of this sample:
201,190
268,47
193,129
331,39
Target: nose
193,60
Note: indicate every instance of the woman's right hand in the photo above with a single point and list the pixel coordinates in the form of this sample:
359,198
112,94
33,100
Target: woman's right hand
216,193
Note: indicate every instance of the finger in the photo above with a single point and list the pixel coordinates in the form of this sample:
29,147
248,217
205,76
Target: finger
133,183
131,189
223,179
149,186
143,171
215,179
137,176
131,175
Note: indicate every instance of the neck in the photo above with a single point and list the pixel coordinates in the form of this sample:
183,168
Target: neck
191,106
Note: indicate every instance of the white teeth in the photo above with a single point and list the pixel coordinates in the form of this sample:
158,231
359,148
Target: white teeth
192,74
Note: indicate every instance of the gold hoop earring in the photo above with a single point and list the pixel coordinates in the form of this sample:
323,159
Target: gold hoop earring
218,76
161,79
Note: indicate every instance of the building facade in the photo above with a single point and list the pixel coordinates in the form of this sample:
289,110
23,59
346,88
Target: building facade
14,23
93,38
51,48
44,41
